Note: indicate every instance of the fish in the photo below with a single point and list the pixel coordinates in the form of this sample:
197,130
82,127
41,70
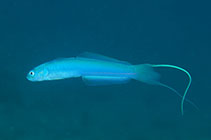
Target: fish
98,70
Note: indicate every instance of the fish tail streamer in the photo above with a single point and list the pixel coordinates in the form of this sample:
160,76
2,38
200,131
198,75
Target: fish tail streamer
146,73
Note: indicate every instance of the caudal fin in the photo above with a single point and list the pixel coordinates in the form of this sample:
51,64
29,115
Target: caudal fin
146,73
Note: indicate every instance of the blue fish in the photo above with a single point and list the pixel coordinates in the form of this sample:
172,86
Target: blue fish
96,69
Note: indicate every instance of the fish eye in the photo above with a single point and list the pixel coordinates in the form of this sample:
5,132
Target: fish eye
31,73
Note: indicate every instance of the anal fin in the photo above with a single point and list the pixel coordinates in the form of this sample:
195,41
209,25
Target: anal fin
104,80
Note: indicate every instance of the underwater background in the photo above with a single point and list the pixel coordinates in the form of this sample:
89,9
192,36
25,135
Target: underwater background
138,31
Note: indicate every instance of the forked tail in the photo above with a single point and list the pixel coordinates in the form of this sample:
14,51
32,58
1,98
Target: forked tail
146,74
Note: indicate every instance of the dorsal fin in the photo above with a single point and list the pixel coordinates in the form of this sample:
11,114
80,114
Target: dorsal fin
101,57
57,59
61,59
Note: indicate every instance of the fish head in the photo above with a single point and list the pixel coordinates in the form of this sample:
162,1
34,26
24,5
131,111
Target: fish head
39,73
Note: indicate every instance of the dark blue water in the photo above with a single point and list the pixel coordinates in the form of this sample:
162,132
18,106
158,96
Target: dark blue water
172,32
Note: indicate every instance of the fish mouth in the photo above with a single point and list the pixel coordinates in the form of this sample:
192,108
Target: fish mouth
33,79
28,77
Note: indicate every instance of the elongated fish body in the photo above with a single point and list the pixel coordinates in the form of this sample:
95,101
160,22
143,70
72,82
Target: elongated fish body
96,69
76,67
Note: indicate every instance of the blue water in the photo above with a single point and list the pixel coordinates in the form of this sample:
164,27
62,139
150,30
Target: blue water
173,32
